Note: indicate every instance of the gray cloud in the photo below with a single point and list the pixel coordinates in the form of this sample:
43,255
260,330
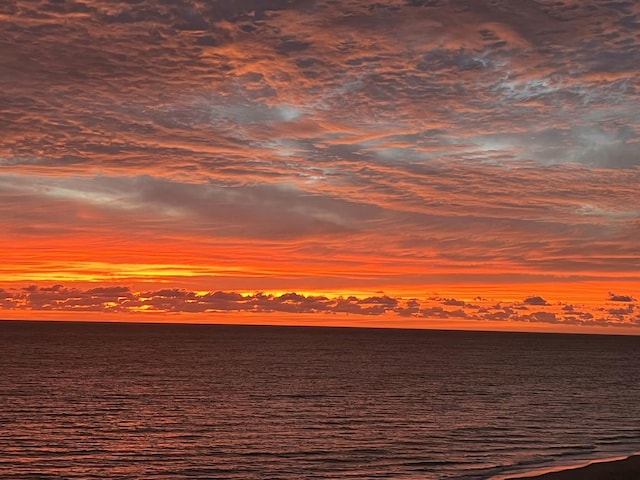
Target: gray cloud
620,298
535,300
513,65
120,300
263,210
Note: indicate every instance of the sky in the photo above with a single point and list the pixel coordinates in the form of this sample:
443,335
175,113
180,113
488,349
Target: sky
412,163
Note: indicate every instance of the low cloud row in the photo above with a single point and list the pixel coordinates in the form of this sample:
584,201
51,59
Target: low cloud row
617,310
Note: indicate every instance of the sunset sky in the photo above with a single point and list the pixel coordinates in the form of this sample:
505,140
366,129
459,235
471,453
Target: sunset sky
423,163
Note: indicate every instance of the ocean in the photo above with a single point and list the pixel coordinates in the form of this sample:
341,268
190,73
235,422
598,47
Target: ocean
158,401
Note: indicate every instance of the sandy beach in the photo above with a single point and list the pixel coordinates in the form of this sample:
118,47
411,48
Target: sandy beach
626,469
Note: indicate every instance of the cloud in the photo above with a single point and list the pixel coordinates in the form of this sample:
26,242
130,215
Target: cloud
620,298
535,300
622,311
453,302
269,210
400,143
544,317
123,300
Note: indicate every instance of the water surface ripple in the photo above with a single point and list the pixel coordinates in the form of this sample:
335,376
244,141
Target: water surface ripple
120,401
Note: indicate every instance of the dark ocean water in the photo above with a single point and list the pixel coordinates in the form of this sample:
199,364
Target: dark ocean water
97,401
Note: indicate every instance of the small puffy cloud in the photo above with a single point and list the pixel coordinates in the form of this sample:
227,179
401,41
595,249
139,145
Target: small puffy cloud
620,298
453,302
627,309
441,313
383,300
535,300
545,317
410,309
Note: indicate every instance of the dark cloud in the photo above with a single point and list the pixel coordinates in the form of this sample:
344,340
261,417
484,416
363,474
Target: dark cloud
121,300
620,298
535,300
544,317
453,302
622,311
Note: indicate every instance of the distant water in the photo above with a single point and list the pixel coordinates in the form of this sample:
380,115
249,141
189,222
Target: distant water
98,401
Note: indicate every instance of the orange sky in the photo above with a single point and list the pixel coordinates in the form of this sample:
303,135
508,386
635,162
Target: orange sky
469,165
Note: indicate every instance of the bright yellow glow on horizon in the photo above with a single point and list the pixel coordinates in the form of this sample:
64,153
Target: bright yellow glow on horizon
104,271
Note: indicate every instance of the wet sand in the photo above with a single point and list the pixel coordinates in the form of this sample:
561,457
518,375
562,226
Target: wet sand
626,469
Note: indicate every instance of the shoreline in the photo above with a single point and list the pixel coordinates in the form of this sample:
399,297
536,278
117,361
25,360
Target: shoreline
618,468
